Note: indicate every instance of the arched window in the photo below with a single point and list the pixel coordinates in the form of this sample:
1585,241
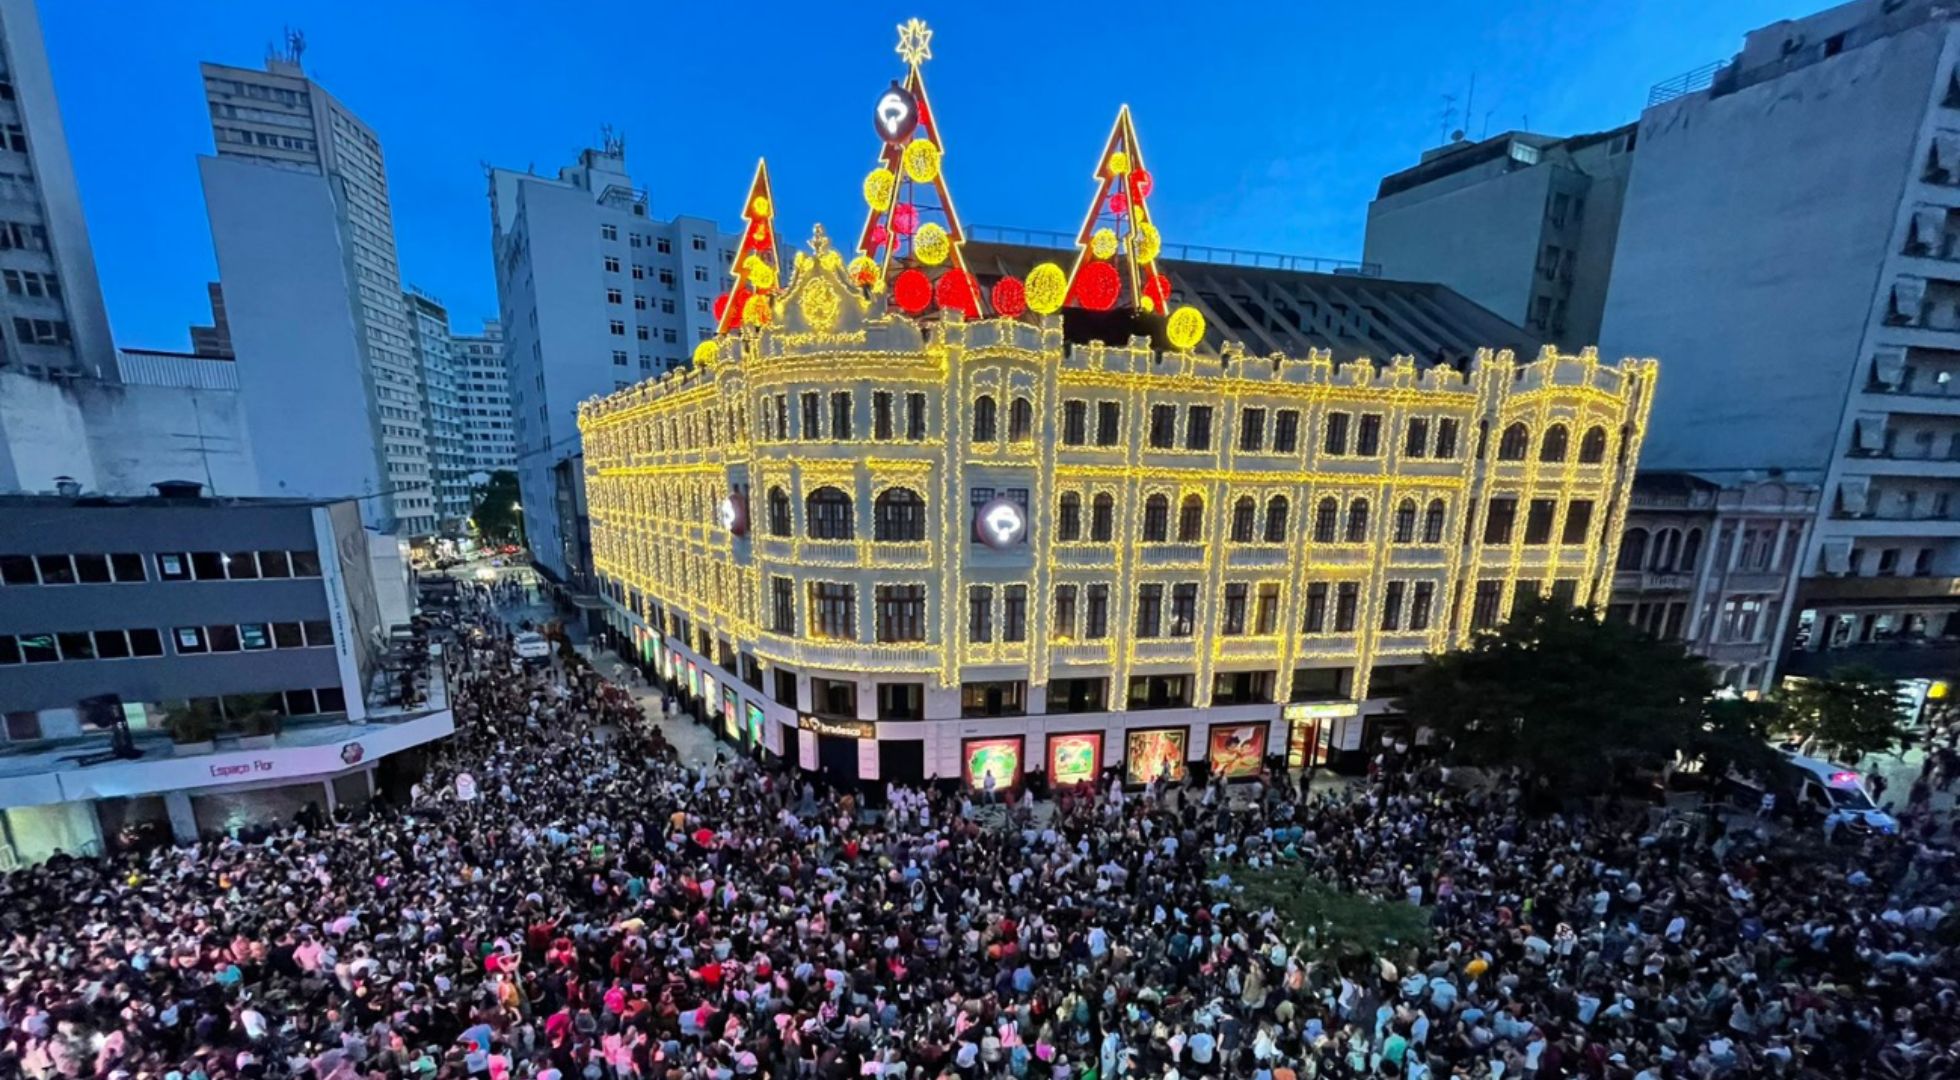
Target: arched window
1592,448
1633,549
899,514
1405,522
1156,519
1432,522
778,512
1666,545
1020,420
1514,444
1276,508
1357,523
1102,518
827,514
1326,519
1191,520
1553,448
1690,552
984,426
1068,517
1245,515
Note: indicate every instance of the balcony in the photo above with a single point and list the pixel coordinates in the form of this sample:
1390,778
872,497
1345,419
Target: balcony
1906,658
1854,590
1652,581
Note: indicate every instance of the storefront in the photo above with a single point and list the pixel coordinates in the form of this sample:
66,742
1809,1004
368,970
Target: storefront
1155,754
1236,751
996,756
831,748
1310,731
1073,758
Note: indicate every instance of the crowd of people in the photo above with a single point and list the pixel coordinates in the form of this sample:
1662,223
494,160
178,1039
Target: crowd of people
595,909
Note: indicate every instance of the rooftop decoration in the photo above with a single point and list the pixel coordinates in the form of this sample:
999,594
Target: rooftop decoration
757,269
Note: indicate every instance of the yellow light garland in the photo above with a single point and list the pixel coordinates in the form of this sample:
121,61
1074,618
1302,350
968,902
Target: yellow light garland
1185,328
879,186
1102,242
922,161
1046,287
930,243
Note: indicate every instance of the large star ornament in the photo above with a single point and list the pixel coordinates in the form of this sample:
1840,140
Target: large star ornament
914,42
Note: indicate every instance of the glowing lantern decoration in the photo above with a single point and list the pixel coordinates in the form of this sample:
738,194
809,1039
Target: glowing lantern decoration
864,270
1147,304
760,274
1046,288
955,292
1185,328
721,307
1103,244
896,115
706,353
879,236
1097,286
878,187
1141,181
922,161
1010,299
1119,163
912,290
759,206
931,244
756,311
1148,242
1119,203
905,218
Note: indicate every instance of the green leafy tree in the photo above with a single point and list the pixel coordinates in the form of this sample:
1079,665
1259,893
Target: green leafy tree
1736,732
1564,696
496,515
1851,712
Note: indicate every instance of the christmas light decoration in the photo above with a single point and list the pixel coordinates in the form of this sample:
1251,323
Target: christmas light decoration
721,307
1119,163
1186,328
954,291
1119,203
1148,243
705,353
1102,244
1009,298
864,270
1046,288
922,161
931,245
1141,182
756,267
878,187
905,219
912,291
1118,224
1097,286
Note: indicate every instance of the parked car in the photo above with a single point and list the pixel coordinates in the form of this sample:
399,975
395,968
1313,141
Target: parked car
532,648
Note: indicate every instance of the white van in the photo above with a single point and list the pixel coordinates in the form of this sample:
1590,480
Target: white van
533,648
1821,788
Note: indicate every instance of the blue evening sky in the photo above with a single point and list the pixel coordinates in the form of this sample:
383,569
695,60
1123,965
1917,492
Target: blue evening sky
1267,126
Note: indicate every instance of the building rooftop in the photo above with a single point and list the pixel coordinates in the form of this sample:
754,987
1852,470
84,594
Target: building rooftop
1524,148
1351,314
86,501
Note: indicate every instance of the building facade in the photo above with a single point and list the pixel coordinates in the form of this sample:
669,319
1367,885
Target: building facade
483,394
1714,567
305,238
442,409
52,322
881,550
596,295
1820,334
126,610
1522,223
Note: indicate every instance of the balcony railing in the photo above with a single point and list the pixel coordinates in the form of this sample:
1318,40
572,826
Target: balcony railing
1200,253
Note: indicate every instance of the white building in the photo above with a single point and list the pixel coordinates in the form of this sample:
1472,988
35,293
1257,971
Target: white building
298,200
1789,244
483,394
596,296
51,317
442,417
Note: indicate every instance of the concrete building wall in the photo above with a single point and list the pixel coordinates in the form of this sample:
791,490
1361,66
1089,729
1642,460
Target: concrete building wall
118,439
1479,239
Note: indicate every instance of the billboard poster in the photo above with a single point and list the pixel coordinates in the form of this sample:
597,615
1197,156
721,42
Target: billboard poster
693,679
1237,751
755,724
731,717
1000,757
1074,759
1154,753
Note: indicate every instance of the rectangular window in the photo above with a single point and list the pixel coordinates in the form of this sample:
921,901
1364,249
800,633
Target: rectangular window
1235,604
223,638
1003,698
1014,613
840,414
319,633
915,415
92,569
901,612
1266,617
190,640
1483,611
1538,521
881,414
1415,443
833,613
1315,618
1286,431
55,569
1578,518
208,566
1346,598
288,635
241,566
1160,692
1420,605
1109,422
1075,420
1197,428
1368,441
1252,430
980,613
171,566
782,605
812,417
1525,589
1095,613
1498,520
1184,609
38,649
275,564
1565,592
1335,442
1446,438
1163,426
1392,605
111,645
254,636
18,570
1150,611
145,643
306,563
1064,625
76,646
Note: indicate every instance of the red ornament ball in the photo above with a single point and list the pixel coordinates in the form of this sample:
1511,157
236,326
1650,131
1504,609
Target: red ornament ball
721,306
1010,297
905,218
1158,288
879,236
912,291
1119,203
1140,180
955,292
1097,287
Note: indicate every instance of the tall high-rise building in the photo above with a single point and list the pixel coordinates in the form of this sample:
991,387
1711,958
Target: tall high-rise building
596,295
300,217
483,393
214,339
52,321
442,417
1790,246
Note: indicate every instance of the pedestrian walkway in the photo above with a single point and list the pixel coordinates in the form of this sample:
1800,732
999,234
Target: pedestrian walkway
695,743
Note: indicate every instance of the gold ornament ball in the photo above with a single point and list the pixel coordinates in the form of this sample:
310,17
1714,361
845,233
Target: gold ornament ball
931,244
1045,288
1148,304
1185,328
831,260
760,207
760,274
1119,163
1102,243
879,184
706,353
922,162
756,311
1148,243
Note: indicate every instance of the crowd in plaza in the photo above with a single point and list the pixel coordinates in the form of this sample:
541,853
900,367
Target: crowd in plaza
599,910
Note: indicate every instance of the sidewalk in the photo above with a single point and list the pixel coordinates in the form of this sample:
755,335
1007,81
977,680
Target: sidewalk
695,743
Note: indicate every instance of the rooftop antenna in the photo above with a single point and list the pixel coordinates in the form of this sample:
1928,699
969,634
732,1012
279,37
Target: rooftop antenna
1445,115
295,46
1470,99
615,144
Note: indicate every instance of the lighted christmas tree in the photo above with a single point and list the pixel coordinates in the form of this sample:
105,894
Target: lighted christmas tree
1117,249
757,269
912,236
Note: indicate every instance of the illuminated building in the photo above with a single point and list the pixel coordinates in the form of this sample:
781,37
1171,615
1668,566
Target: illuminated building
901,548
